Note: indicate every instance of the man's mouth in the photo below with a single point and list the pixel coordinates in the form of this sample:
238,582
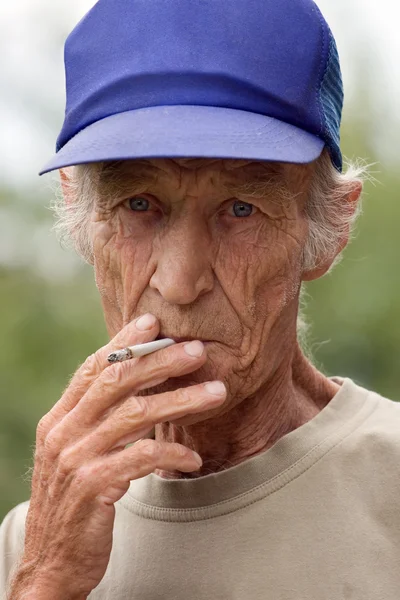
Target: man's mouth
178,340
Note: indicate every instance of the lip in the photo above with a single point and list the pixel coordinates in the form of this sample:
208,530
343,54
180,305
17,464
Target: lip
179,340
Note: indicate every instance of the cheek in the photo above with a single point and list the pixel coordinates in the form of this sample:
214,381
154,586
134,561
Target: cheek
122,267
261,257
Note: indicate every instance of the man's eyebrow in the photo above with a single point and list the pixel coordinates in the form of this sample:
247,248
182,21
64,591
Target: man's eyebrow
120,177
115,178
266,184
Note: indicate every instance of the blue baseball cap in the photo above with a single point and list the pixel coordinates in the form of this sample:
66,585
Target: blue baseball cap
232,79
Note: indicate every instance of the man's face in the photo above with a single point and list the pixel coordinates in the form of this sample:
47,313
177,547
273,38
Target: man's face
213,249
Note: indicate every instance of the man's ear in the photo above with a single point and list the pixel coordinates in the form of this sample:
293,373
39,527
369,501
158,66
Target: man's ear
66,189
352,199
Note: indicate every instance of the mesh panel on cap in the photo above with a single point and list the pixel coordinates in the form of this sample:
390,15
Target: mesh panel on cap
331,96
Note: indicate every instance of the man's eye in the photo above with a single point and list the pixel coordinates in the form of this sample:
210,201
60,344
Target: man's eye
242,209
139,204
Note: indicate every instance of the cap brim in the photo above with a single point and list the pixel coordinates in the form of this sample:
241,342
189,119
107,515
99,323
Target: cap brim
188,131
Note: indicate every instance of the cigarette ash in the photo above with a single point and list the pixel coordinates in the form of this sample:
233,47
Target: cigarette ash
120,356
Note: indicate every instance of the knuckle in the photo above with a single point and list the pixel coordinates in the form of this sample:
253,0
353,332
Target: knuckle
149,450
161,359
42,429
86,475
93,364
141,409
181,451
124,368
52,443
184,396
67,461
112,375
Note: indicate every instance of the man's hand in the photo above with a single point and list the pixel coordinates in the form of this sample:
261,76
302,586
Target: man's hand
82,466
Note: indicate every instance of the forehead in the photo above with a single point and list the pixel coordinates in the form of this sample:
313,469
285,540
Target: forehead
245,177
160,167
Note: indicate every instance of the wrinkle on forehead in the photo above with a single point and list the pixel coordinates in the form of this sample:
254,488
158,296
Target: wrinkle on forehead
150,167
235,176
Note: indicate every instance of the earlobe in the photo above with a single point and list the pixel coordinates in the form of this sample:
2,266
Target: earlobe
315,273
355,194
322,270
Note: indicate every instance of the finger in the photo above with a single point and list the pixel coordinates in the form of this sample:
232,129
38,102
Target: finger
130,377
93,366
110,478
118,382
137,416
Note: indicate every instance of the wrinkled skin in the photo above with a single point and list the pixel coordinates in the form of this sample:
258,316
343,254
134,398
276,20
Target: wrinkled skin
210,275
208,267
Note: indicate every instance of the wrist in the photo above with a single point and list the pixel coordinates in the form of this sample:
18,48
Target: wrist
36,593
33,593
28,588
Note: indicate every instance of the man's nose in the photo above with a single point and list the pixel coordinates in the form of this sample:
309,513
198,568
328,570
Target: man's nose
184,265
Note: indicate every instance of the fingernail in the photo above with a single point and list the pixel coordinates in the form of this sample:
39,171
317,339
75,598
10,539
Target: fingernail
216,388
146,322
197,457
195,349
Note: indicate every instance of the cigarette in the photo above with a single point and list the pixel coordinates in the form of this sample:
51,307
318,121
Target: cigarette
140,350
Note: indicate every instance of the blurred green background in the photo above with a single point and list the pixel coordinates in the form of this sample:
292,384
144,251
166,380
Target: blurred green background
50,315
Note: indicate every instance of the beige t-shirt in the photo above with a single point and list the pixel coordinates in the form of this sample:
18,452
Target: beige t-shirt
315,517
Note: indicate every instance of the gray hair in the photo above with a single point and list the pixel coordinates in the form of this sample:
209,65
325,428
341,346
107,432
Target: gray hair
330,214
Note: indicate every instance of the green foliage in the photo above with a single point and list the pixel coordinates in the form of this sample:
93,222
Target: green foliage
47,331
353,311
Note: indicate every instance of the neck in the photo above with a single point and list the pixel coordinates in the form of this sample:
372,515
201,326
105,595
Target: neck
295,394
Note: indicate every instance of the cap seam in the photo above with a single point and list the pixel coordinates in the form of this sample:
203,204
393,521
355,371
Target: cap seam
322,70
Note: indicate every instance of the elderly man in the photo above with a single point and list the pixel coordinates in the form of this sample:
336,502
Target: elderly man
202,178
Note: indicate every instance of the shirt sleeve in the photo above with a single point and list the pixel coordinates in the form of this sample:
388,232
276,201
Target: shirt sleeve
12,533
